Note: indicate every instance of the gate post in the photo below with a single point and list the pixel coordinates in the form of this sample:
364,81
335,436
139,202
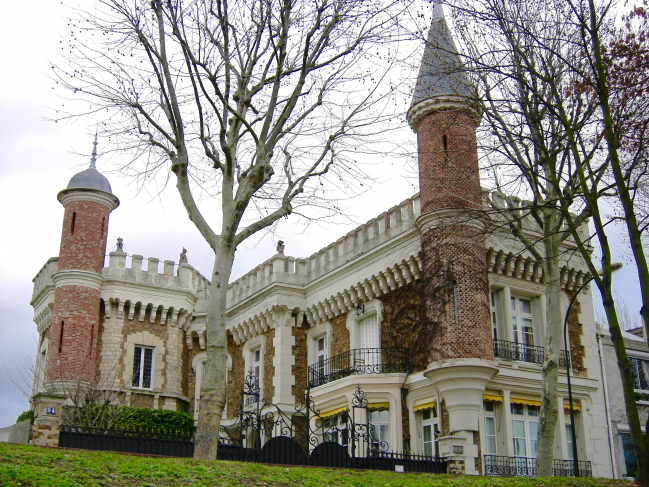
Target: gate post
47,418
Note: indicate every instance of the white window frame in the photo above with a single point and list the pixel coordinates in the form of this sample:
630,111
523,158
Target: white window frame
494,315
384,433
321,330
516,320
339,424
490,417
251,346
374,307
433,423
143,349
527,421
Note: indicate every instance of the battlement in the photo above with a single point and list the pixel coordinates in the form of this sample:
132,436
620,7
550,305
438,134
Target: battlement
44,277
298,271
172,275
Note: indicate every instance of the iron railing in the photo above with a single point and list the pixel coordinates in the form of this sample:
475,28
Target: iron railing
525,467
525,353
564,359
518,352
360,361
173,444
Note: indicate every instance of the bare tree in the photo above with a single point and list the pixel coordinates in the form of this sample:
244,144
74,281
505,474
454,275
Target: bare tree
257,103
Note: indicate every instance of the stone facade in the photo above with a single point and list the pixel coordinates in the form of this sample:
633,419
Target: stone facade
422,278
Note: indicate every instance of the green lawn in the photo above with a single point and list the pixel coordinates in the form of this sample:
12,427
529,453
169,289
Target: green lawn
29,466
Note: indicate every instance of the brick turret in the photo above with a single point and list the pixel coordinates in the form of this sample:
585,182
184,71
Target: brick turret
88,201
456,290
454,254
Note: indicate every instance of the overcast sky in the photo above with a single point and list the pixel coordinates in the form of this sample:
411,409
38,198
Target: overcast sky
37,160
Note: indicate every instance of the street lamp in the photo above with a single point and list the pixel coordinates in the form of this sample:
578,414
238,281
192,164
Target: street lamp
615,267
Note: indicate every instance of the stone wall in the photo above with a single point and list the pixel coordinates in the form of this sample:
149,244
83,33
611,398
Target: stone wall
269,368
402,325
235,378
340,341
299,370
575,331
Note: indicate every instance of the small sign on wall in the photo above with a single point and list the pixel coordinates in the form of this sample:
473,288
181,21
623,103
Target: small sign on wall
398,468
50,410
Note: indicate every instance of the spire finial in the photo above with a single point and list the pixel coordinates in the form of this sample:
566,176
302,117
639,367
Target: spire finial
93,159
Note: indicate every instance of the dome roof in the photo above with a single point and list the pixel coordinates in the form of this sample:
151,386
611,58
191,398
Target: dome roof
90,178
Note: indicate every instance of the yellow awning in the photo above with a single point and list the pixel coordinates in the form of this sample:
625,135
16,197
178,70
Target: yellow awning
491,397
528,402
332,412
575,405
378,405
419,405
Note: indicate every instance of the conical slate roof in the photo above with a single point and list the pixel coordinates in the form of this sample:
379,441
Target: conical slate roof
441,73
90,178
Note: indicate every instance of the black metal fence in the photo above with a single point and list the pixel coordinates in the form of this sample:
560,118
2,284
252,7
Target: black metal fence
359,361
525,467
264,433
148,442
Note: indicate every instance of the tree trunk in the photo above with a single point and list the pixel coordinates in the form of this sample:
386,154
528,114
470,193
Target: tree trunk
553,334
213,390
631,408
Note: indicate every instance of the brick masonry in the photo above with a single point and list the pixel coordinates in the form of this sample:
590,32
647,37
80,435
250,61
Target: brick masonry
453,252
575,331
72,350
300,353
83,245
75,322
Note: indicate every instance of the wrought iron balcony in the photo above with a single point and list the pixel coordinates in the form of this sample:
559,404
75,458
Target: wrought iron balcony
564,359
525,353
518,352
360,361
525,467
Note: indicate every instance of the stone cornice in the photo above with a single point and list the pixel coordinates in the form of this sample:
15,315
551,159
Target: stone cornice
67,196
438,104
78,278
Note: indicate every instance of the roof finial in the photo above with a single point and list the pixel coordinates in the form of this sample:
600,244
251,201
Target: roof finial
93,159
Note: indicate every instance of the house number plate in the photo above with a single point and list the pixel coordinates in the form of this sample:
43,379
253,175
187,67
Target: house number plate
50,411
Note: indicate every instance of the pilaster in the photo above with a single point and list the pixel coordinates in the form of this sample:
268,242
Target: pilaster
283,360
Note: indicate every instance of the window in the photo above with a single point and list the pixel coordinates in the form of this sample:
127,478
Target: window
429,431
525,427
142,367
522,321
494,317
321,350
569,452
379,431
490,447
627,463
255,364
640,373
335,430
370,344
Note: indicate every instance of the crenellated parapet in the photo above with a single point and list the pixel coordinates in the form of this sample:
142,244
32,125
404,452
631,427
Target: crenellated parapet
388,226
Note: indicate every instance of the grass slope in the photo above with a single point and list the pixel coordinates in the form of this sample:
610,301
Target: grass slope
30,466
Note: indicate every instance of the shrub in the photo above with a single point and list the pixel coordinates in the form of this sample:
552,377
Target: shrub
25,416
132,418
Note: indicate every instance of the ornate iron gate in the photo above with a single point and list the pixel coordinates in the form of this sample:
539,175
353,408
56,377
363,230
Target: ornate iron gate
265,433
